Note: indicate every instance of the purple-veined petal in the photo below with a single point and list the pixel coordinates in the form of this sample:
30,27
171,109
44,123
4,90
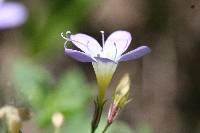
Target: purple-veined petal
116,44
105,60
12,14
135,54
86,43
80,56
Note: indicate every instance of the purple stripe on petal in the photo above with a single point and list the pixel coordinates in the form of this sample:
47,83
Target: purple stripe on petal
135,54
80,56
86,43
116,44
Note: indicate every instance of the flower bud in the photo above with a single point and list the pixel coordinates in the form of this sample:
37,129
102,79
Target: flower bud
13,117
122,91
57,119
120,98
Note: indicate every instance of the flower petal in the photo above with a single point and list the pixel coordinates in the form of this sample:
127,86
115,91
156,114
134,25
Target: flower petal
104,60
104,71
86,43
116,44
135,54
80,56
12,14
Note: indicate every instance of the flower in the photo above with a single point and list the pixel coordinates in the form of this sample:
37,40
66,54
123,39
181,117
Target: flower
57,119
14,117
112,50
12,14
120,98
104,59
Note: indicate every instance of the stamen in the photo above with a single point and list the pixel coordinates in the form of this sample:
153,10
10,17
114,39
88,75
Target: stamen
68,32
102,33
63,36
66,36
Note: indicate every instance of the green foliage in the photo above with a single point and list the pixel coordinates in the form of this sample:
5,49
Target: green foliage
69,96
31,82
48,19
83,122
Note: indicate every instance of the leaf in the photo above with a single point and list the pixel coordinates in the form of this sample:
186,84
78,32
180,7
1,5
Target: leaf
70,97
31,82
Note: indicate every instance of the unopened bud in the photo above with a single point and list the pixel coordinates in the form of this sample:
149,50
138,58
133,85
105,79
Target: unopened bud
57,119
13,118
120,98
122,91
113,112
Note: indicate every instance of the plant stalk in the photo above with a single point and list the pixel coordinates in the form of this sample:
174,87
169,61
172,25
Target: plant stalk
106,127
97,115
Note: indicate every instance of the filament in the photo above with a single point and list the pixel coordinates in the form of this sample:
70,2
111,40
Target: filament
102,33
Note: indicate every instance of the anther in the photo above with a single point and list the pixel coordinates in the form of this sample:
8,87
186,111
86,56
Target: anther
102,31
68,32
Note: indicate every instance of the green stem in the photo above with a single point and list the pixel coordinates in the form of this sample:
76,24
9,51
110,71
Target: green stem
106,127
57,130
97,115
5,127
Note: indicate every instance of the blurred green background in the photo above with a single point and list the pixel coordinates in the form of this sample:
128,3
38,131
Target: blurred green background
165,88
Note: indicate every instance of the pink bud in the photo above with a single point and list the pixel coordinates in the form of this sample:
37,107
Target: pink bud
113,112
